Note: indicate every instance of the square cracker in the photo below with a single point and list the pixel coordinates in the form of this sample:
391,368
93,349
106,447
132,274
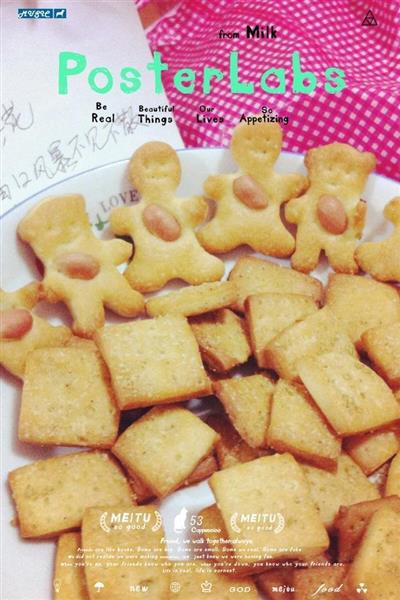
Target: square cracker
297,427
323,583
153,361
351,522
255,276
382,344
135,535
247,401
51,495
318,333
377,562
259,497
67,398
353,398
69,575
164,447
230,449
361,303
222,339
330,491
269,314
393,478
372,450
198,580
193,300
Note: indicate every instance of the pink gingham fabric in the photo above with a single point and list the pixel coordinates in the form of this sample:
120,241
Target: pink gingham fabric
327,33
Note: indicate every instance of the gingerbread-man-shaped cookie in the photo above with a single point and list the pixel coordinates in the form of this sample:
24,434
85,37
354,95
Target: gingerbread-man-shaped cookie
80,270
330,216
382,259
162,225
21,331
248,202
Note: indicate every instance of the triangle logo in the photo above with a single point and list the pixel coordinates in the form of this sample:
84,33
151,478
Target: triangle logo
369,19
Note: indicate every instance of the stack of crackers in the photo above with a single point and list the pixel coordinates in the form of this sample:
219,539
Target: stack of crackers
305,382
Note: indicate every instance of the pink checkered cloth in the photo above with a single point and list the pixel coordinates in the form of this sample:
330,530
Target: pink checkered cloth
327,33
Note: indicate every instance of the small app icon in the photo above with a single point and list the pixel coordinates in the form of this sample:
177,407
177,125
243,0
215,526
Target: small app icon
206,587
362,588
175,587
57,585
98,586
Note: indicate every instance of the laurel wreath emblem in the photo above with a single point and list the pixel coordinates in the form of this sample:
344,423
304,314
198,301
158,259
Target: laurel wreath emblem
103,522
234,524
281,523
158,522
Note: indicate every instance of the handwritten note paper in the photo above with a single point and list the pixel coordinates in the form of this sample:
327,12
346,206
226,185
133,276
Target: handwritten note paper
46,137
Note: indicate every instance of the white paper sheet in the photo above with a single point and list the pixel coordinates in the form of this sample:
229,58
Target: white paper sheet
46,137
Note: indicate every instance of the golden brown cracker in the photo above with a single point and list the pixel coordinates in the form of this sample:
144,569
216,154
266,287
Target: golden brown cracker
318,333
222,339
254,275
267,507
22,331
51,495
80,270
382,344
153,361
133,536
372,304
269,314
67,399
381,259
247,401
330,215
351,521
164,447
393,477
193,300
376,566
69,581
346,486
353,398
296,426
230,449
163,225
248,202
372,450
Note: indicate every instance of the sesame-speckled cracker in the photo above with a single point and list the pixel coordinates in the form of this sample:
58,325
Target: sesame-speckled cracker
255,276
351,522
67,399
193,300
382,259
372,303
162,254
318,333
353,398
222,339
269,314
248,202
382,344
377,563
133,536
69,575
247,401
14,351
164,447
230,449
51,495
372,450
339,172
346,486
80,270
276,486
297,427
153,361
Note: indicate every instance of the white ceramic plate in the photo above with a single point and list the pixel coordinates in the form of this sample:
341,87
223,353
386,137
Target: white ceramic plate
27,565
